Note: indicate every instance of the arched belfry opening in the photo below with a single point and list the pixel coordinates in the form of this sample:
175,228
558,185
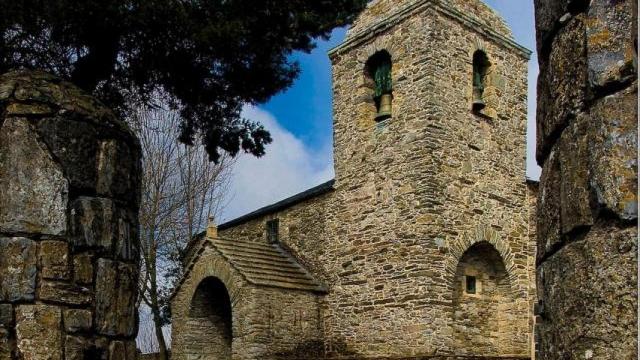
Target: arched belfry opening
378,71
481,66
209,323
483,303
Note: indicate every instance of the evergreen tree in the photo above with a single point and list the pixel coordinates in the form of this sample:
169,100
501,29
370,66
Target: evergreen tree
208,57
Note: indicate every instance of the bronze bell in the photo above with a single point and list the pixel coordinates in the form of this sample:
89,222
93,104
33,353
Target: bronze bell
478,103
384,110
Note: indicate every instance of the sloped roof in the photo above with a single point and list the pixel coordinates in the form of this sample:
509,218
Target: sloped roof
258,263
269,209
266,264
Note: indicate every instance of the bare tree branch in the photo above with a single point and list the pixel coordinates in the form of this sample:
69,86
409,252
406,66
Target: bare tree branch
182,189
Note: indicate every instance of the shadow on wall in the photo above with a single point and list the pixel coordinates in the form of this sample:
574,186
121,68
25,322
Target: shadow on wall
483,304
154,356
210,322
316,350
339,351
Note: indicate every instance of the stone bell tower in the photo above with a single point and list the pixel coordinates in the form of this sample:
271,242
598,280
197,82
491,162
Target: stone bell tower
422,246
430,118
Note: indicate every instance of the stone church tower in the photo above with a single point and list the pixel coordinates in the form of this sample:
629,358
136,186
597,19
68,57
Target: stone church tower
422,246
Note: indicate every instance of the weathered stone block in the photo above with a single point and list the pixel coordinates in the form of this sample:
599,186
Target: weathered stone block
121,350
6,345
548,206
101,348
549,14
118,171
54,260
115,298
75,146
33,189
614,147
18,109
93,223
17,269
36,87
587,311
6,89
6,316
64,293
97,222
83,268
575,196
562,85
127,247
610,44
38,332
76,320
77,348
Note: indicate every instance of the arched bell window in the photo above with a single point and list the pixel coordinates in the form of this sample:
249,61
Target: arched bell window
378,68
480,66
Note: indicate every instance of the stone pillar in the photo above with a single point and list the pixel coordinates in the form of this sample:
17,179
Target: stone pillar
69,197
587,205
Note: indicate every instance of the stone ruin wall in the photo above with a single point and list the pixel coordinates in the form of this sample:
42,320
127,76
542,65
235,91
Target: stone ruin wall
69,196
587,207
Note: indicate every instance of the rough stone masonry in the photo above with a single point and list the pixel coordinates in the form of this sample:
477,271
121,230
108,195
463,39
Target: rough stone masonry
587,205
421,247
69,195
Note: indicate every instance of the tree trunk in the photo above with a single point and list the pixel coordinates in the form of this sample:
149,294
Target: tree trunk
155,310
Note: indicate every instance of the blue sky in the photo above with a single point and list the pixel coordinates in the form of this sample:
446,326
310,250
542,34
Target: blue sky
300,120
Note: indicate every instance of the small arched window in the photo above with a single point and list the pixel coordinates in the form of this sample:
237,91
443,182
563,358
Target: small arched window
378,68
480,66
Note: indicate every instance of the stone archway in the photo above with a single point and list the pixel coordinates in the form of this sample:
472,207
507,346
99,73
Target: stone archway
483,304
460,245
209,322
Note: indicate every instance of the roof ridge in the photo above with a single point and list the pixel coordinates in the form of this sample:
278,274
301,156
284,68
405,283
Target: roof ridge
282,204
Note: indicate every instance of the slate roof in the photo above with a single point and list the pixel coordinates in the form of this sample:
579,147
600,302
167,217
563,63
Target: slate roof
258,262
266,264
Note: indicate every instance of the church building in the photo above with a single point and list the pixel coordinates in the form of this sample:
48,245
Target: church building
423,246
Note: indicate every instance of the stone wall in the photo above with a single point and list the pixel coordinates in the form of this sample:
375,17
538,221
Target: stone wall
418,199
265,322
532,196
483,313
587,207
302,230
69,196
417,191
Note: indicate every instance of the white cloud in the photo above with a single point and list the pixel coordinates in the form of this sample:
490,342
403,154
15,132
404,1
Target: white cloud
289,167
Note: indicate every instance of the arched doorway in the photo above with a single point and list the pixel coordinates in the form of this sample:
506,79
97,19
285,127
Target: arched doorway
208,328
482,303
